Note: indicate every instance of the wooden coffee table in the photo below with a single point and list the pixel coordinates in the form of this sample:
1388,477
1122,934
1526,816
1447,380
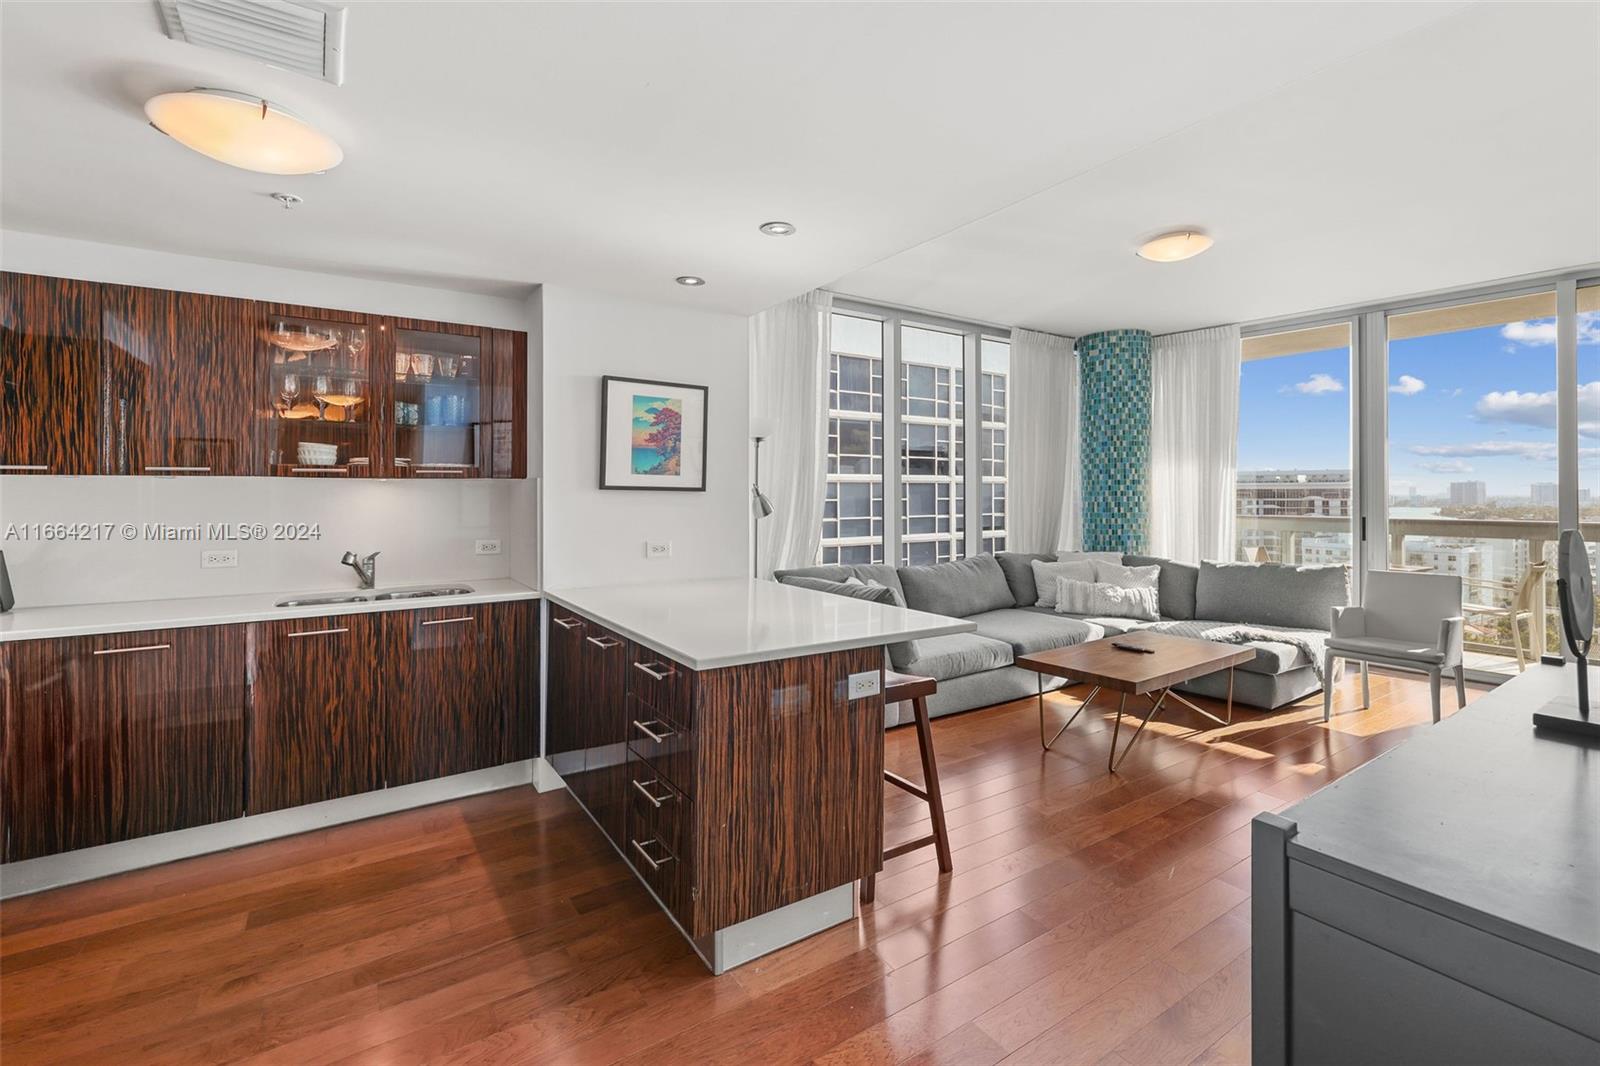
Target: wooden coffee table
1169,661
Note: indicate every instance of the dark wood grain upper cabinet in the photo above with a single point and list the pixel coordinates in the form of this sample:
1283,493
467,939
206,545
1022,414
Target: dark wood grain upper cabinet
113,737
452,677
317,372
49,374
508,404
317,718
178,384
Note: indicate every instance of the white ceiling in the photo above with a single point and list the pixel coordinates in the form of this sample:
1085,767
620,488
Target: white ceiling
996,161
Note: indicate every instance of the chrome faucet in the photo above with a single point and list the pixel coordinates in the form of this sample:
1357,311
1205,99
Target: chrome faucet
366,569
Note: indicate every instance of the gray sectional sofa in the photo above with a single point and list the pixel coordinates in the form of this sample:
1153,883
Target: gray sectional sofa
1283,612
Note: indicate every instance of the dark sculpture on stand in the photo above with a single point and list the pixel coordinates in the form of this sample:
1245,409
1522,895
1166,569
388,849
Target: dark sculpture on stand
1575,594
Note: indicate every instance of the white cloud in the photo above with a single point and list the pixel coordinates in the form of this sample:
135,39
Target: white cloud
1406,385
1316,385
1447,466
1539,408
1526,449
1542,332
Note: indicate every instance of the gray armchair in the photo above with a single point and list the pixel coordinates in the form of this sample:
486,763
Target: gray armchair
1406,620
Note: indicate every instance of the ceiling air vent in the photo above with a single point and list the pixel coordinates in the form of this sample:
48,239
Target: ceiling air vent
298,35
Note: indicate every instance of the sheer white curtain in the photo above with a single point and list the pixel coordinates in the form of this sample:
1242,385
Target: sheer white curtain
789,400
1042,502
1194,438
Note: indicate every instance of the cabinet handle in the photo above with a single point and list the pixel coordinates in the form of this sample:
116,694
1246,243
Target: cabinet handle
654,864
319,632
644,727
661,674
645,792
125,651
567,623
318,470
446,621
24,466
176,470
605,643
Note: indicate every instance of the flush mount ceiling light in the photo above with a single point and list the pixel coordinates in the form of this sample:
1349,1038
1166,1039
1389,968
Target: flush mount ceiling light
243,131
777,229
690,280
1173,247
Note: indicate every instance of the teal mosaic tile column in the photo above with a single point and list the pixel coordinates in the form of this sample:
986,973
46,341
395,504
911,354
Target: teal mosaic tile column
1114,412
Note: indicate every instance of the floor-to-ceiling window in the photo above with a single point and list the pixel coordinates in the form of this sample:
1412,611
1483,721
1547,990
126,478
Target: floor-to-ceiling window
904,380
1294,492
995,373
1473,485
853,516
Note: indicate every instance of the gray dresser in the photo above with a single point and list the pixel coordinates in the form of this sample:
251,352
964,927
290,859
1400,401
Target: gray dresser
1442,903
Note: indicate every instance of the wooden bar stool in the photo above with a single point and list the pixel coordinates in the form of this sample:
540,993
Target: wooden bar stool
898,688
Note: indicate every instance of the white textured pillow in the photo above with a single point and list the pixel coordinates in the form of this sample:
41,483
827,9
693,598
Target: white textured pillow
1107,601
1128,577
1045,575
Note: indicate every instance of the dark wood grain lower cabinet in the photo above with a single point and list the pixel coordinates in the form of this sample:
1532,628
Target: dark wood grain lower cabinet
564,686
317,713
113,737
456,689
605,728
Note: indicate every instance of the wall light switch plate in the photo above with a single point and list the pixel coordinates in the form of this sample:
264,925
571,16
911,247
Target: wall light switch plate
658,549
486,547
216,559
869,683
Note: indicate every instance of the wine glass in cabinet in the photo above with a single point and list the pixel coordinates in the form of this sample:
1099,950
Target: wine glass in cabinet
319,417
439,403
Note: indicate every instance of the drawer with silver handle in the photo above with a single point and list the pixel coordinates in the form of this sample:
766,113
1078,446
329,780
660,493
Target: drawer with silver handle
663,685
663,754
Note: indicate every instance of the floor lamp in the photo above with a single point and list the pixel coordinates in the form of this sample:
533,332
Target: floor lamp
760,507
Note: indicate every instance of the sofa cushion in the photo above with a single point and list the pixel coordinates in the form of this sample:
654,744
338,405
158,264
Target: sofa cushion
958,655
1018,568
964,587
1108,627
1272,656
1176,584
1046,573
1386,648
900,653
1031,631
1271,594
881,573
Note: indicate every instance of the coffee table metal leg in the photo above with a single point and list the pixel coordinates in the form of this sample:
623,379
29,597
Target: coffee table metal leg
1081,705
1155,709
1230,695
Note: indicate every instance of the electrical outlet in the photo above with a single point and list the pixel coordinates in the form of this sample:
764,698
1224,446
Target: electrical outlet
486,547
658,549
216,559
865,684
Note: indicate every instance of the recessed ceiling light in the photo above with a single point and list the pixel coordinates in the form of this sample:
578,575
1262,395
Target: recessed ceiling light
243,131
690,280
1172,247
777,229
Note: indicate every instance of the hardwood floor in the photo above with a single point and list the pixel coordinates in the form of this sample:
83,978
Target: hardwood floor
1090,918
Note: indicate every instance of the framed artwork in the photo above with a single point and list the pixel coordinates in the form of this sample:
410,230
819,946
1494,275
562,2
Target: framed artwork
652,435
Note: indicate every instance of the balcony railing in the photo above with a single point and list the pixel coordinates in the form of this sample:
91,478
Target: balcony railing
1487,649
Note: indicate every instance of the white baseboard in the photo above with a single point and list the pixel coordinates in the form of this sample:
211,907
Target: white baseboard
53,871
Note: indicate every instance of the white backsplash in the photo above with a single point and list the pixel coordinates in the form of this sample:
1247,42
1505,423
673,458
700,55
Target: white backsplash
426,531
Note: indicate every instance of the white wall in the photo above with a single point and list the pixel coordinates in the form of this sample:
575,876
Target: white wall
424,529
597,537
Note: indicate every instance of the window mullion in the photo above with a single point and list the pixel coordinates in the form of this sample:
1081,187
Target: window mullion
971,416
891,441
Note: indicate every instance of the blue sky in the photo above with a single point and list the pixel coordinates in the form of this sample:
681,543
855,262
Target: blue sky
1476,405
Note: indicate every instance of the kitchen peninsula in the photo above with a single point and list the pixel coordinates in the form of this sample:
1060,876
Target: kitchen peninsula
708,729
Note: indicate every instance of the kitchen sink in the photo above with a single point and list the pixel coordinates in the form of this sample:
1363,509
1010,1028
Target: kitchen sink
397,594
424,593
315,601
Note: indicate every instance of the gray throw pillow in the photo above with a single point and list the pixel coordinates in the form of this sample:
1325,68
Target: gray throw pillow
1045,575
1128,577
1272,594
1018,568
1176,586
959,589
901,654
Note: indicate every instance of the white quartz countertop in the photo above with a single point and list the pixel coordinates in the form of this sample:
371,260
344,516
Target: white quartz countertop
81,619
727,622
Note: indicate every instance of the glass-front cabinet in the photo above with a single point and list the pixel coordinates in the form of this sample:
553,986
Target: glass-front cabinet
439,406
320,411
